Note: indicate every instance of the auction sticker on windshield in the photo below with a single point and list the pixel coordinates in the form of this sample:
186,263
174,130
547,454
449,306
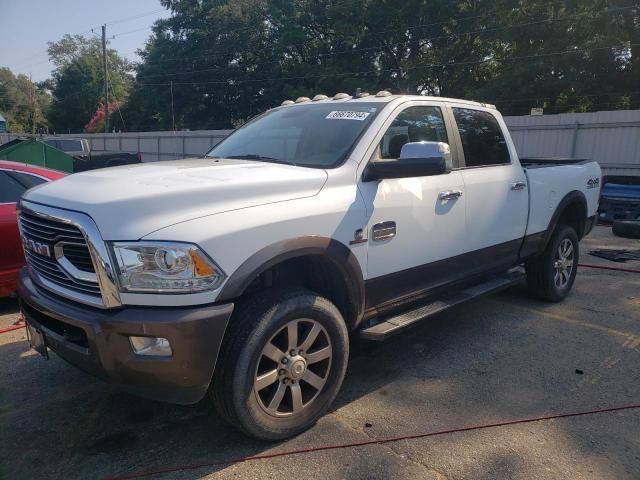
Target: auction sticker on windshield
347,115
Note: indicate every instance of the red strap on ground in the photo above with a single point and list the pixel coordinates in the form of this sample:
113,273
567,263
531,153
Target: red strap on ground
616,269
182,468
12,328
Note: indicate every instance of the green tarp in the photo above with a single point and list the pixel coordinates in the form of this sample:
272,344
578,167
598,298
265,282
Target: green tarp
33,152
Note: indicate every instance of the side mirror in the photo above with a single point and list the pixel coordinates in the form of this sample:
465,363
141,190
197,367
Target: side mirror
417,159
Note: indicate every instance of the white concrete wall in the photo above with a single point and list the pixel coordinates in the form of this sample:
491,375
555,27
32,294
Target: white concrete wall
152,145
610,137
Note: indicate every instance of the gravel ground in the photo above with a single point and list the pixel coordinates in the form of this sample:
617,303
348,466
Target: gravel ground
499,358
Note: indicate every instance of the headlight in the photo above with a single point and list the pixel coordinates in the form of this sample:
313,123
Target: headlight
165,267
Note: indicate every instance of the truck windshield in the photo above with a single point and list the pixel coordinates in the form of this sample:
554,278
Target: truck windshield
317,135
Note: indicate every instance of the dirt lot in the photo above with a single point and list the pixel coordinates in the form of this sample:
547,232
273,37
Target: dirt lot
500,358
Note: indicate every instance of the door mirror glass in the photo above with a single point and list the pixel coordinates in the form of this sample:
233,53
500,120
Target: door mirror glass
417,159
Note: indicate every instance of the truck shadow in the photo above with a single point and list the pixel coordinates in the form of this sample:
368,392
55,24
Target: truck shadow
478,362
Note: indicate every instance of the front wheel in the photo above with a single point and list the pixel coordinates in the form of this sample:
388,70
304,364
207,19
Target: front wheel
550,276
282,363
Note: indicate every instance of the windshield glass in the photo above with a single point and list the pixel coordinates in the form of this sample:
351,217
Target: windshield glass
313,135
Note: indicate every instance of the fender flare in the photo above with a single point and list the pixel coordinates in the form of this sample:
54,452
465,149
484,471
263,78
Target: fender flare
341,256
570,198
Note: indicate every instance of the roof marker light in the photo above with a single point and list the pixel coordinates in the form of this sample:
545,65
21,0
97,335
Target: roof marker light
340,96
317,98
383,93
287,102
302,99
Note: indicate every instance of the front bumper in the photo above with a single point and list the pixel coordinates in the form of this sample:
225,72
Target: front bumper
97,342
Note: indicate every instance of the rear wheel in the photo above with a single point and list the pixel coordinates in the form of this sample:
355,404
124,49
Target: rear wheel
282,363
550,276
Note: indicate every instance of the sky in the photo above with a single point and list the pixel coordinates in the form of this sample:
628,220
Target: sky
27,25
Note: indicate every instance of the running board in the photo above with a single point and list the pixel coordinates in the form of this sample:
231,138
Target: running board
383,330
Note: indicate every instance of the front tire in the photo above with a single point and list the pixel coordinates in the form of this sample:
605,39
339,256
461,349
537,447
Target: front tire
282,363
550,276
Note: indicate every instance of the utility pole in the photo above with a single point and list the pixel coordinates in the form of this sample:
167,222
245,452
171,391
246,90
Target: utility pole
32,99
173,118
106,82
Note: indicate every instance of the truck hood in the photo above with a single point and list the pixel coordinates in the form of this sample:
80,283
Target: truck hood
132,201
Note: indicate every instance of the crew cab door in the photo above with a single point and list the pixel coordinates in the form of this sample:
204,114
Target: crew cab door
411,231
497,200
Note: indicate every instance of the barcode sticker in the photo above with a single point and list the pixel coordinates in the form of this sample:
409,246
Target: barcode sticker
347,115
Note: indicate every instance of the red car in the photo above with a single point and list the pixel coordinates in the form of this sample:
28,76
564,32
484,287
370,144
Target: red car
15,179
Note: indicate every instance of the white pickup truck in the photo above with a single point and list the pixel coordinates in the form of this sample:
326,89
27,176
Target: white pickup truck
244,273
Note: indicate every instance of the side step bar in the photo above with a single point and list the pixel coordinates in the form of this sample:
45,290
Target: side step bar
383,330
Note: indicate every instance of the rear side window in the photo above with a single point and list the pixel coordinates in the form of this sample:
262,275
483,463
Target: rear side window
482,139
415,124
70,145
10,189
27,180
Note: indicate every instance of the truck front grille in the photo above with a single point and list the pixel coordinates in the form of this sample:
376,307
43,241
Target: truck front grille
42,236
79,256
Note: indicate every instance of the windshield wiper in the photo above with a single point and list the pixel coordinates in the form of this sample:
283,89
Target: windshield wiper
253,156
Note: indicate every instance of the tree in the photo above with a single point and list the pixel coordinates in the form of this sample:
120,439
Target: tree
78,81
22,102
229,60
96,124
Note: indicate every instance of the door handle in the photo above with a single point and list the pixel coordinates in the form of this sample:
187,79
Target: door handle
450,195
518,185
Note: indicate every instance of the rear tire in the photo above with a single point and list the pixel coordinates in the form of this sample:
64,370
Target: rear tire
626,228
282,363
550,275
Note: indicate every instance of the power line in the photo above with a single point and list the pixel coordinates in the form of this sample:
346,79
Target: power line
377,47
90,30
106,79
409,27
116,35
415,67
124,124
452,35
135,17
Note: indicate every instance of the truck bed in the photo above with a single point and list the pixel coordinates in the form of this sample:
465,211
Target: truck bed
550,180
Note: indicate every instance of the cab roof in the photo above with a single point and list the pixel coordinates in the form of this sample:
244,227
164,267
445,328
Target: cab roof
377,98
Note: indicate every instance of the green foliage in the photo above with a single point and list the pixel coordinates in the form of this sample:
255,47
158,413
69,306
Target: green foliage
229,60
78,82
22,102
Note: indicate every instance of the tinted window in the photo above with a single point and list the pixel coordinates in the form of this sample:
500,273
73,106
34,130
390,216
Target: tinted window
311,135
10,188
415,124
27,180
482,139
69,145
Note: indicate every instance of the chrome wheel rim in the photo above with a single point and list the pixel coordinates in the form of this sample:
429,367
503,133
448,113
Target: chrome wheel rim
293,368
564,263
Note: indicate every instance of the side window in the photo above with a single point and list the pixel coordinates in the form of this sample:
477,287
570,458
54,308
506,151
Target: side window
482,138
10,189
414,124
26,179
70,145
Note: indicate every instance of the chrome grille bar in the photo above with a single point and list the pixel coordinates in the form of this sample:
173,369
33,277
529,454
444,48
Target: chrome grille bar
71,259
